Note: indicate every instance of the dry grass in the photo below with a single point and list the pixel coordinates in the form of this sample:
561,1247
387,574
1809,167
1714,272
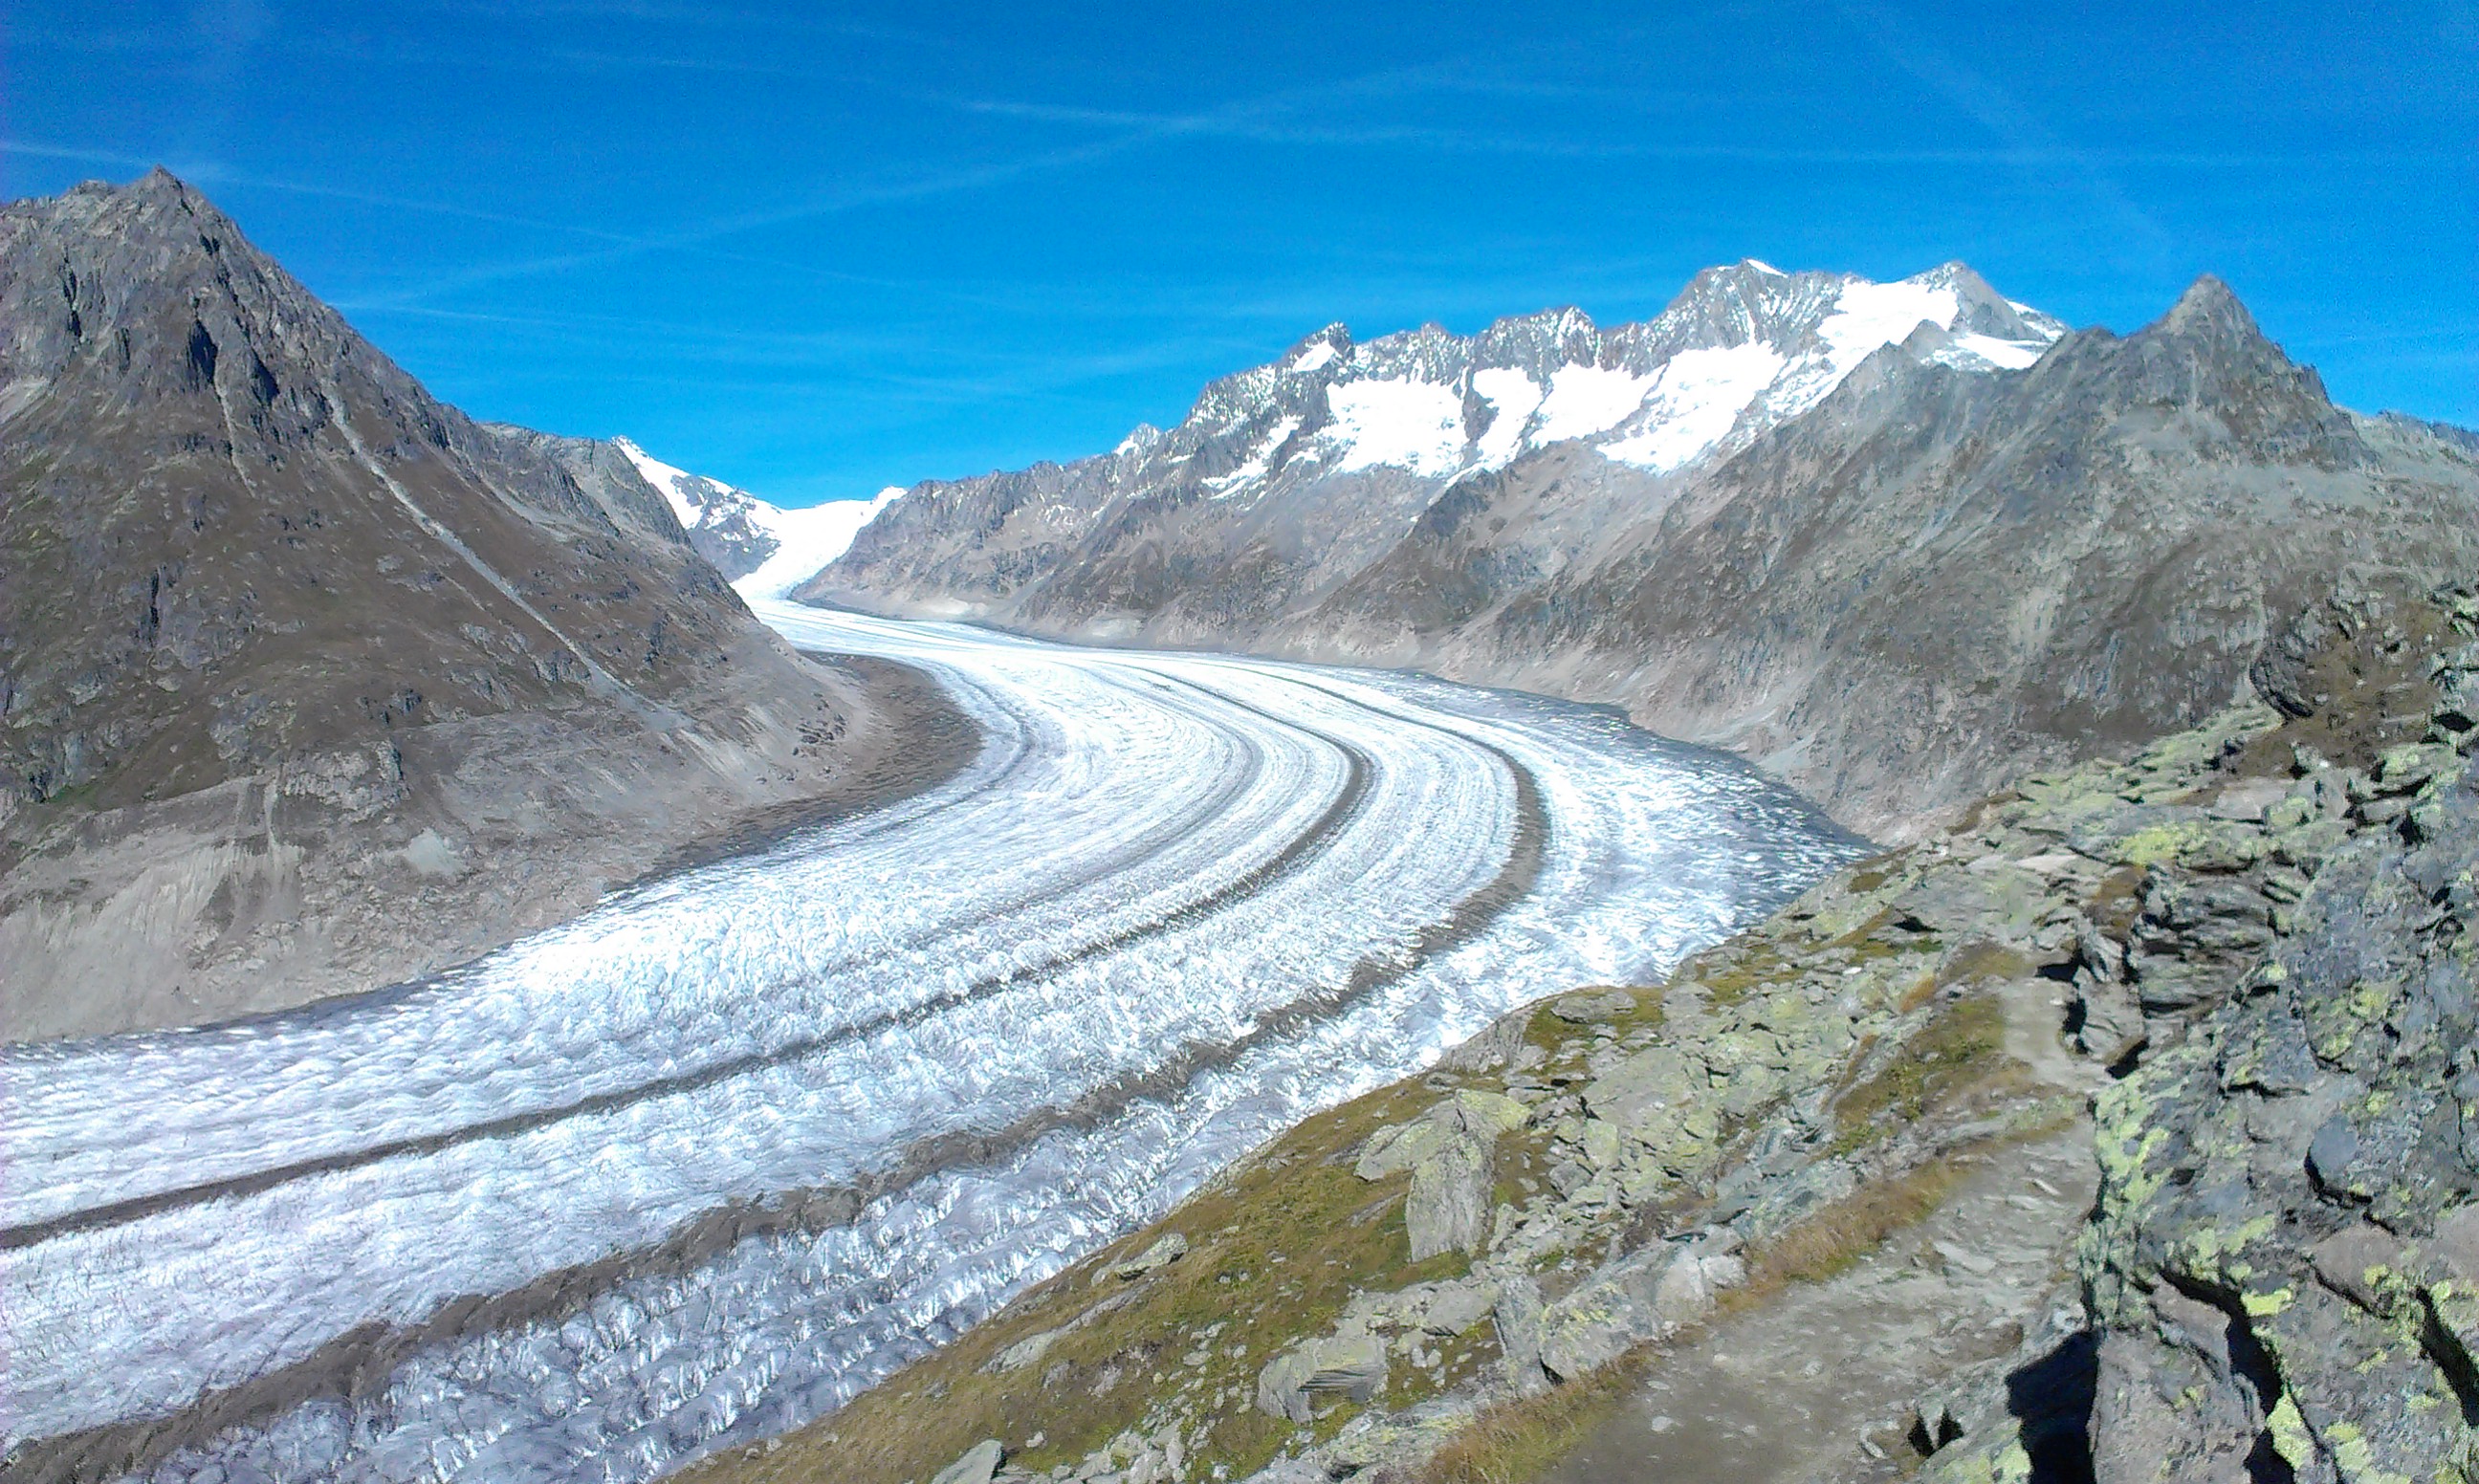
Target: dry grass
1960,1050
1828,1242
1516,1441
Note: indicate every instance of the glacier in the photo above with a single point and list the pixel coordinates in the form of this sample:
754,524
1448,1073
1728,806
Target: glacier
705,1163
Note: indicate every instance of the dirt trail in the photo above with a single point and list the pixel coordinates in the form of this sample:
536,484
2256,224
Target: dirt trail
1819,1385
1785,1394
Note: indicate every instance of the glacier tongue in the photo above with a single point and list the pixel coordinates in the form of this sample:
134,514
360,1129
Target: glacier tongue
736,1144
765,550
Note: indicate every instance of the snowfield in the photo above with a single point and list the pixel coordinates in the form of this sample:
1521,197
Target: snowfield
734,1145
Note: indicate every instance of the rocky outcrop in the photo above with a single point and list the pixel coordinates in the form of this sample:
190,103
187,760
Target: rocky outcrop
308,682
1894,573
2280,1267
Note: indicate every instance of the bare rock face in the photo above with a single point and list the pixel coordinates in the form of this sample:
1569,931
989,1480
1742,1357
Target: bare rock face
307,680
1896,542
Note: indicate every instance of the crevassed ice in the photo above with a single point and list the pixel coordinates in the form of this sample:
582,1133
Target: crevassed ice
1417,425
1094,900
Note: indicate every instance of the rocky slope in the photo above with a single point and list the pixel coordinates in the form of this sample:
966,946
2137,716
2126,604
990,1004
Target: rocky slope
763,549
309,682
2224,983
1890,540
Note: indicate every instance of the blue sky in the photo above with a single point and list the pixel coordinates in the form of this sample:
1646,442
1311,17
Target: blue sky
818,249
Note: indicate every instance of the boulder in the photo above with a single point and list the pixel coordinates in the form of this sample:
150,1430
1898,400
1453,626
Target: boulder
1024,1352
1644,1295
977,1464
1399,1148
1166,1250
1295,1384
1516,1316
1457,1307
1583,1009
1448,1209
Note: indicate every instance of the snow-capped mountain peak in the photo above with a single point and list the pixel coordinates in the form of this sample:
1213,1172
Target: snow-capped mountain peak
764,549
1744,347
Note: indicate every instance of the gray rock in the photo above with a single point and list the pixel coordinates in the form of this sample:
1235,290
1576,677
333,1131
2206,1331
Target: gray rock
1583,1009
1457,1307
1166,1250
2279,1192
1025,1352
1448,1209
977,1464
1296,1383
202,562
1644,1295
1516,1316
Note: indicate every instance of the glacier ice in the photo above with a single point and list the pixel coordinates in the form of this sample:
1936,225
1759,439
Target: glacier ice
737,1143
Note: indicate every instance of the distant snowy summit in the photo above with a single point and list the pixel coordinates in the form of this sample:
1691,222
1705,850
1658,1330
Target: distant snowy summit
1744,348
763,549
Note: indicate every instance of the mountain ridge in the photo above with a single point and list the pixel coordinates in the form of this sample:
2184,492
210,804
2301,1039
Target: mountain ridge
1645,523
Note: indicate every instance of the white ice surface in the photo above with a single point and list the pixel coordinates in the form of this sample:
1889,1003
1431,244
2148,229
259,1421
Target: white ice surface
1259,459
1161,867
806,539
1871,315
1417,425
1587,400
1694,402
2003,354
1314,357
1512,396
664,478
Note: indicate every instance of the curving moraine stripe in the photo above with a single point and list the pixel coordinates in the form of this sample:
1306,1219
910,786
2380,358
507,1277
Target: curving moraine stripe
1301,849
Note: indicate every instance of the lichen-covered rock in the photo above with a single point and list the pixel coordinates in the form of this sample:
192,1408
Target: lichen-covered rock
1447,1151
2281,1258
1644,1295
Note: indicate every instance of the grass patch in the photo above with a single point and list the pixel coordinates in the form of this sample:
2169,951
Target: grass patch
1730,980
2118,901
1961,1048
1828,1242
1516,1440
2370,690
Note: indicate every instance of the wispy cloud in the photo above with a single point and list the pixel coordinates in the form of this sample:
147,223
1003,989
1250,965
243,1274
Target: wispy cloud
2000,113
883,190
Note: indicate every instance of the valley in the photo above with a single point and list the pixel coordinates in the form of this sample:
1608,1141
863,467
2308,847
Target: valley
711,1158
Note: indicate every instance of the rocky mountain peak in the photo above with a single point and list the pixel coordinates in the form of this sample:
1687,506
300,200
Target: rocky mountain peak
195,442
2208,361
